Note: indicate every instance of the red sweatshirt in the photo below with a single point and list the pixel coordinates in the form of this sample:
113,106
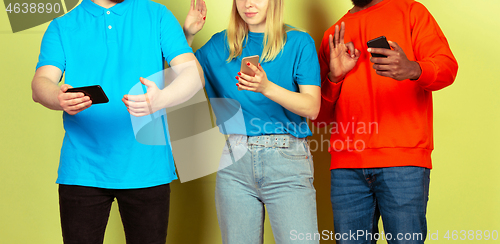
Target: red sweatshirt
378,121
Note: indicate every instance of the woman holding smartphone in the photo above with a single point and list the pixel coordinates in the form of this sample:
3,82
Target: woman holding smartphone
274,167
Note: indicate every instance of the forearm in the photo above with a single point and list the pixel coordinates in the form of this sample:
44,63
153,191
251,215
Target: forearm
330,93
188,82
303,104
189,37
45,92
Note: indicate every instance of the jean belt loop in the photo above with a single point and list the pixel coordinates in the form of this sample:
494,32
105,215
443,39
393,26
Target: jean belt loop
244,139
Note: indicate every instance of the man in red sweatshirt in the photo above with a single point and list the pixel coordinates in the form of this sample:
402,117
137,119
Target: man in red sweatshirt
380,109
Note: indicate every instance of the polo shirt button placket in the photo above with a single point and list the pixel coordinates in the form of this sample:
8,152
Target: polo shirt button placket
111,35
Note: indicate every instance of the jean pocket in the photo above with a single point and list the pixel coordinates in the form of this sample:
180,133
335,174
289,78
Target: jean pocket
296,151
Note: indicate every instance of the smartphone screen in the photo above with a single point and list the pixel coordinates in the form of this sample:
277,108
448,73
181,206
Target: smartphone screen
379,42
95,93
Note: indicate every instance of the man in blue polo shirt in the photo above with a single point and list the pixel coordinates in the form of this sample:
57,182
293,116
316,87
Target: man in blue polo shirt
114,43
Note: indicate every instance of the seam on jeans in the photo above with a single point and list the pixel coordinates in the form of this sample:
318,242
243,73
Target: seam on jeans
372,224
373,216
254,169
427,179
307,149
309,160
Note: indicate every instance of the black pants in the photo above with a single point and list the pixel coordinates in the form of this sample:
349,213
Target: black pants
85,213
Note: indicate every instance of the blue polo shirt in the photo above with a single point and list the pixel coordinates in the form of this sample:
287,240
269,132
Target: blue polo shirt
297,64
112,48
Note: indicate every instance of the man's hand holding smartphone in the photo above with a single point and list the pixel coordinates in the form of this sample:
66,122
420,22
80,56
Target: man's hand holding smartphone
73,102
392,63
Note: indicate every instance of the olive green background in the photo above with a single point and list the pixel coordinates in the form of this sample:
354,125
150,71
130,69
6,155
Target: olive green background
464,193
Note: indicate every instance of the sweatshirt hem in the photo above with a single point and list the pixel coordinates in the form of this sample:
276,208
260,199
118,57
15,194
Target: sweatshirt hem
381,158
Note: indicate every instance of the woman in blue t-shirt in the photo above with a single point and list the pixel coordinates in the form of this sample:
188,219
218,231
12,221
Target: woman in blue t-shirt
266,161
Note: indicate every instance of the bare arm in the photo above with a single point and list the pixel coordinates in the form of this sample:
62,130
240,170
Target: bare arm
305,103
189,80
46,92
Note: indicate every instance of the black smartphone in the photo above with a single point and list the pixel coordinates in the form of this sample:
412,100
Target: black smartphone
379,42
95,93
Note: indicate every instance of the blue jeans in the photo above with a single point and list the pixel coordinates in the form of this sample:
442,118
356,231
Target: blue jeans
275,171
397,194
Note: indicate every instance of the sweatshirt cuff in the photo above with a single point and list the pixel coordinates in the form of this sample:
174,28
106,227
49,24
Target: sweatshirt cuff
428,74
330,90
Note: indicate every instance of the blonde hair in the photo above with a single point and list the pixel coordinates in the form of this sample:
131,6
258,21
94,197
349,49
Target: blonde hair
274,34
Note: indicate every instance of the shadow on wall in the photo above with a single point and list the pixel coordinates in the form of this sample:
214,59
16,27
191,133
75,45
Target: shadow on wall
319,143
319,21
193,218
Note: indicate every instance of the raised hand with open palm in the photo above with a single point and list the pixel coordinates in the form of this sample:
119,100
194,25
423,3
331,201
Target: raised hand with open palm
195,19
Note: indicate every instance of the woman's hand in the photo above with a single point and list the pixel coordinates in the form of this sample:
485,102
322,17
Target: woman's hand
304,103
195,19
258,83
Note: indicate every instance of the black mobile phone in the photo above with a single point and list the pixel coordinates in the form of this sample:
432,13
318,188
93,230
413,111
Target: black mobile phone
379,42
95,93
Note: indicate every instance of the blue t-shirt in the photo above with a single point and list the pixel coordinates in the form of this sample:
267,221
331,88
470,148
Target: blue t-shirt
113,48
297,64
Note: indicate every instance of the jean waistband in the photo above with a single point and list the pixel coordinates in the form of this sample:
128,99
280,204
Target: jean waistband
273,140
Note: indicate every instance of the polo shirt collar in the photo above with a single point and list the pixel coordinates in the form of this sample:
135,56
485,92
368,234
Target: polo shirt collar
96,10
